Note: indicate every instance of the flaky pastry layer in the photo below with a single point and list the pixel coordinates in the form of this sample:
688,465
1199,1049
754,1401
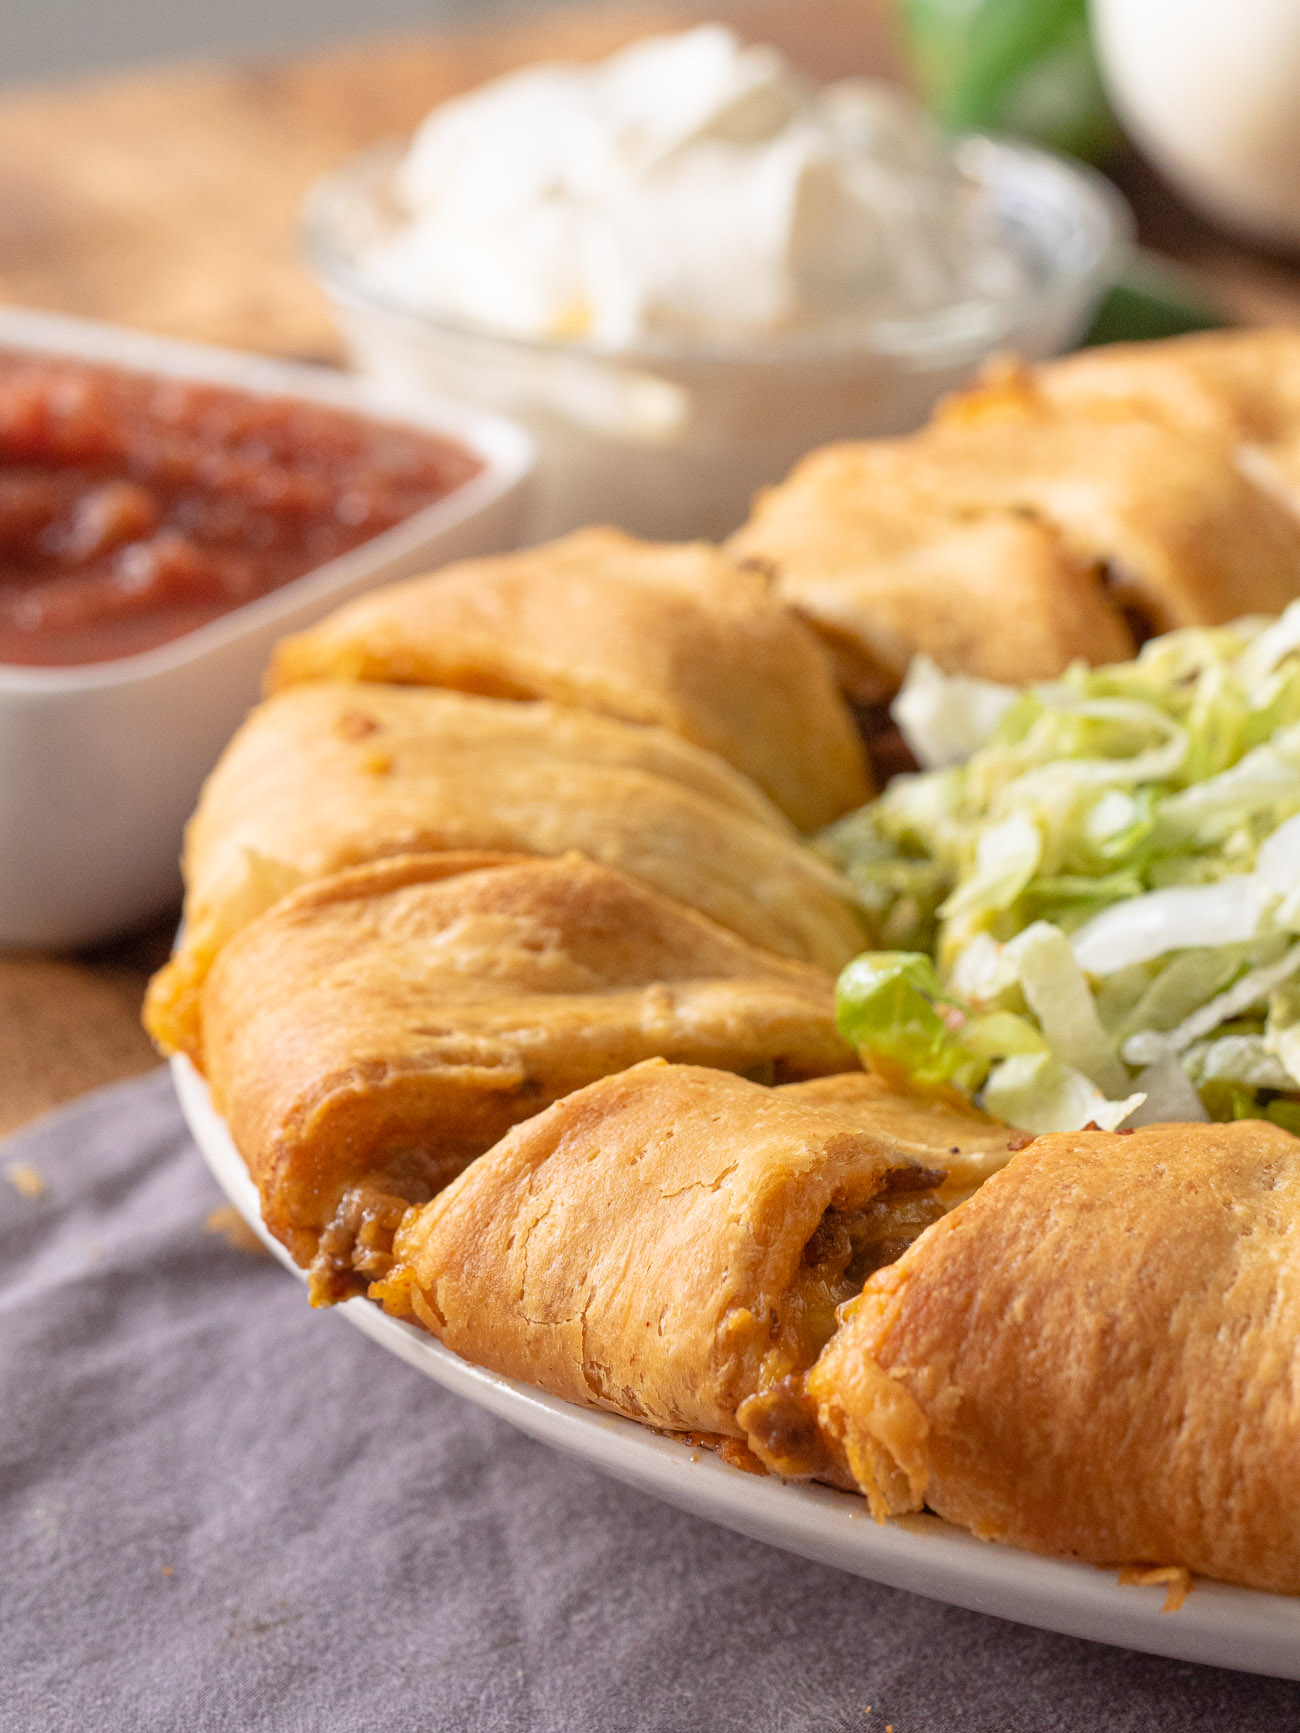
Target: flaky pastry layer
1028,525
1095,1356
668,1243
330,775
424,1005
967,1144
672,634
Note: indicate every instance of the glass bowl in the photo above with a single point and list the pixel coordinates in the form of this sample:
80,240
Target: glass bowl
670,439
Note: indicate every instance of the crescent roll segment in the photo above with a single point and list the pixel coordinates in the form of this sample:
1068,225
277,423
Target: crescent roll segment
884,567
327,776
665,1243
966,1143
1244,385
650,632
1096,1356
894,546
424,1005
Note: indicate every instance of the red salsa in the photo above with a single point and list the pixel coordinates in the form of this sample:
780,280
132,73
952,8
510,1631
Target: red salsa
134,508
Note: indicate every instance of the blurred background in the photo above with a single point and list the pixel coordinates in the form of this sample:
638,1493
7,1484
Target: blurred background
41,40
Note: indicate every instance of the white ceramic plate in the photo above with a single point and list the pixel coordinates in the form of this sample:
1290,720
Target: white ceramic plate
1223,1626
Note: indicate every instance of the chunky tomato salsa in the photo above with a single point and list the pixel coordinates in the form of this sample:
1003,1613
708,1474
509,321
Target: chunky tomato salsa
134,508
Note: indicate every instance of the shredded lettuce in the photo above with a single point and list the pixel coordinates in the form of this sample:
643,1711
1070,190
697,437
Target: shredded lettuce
1152,925
1038,1093
1110,863
1281,1038
1168,1094
892,1005
1007,856
1056,991
1251,989
1240,1059
1159,997
943,716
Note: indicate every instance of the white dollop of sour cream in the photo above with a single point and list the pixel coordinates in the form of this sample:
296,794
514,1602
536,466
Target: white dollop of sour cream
689,185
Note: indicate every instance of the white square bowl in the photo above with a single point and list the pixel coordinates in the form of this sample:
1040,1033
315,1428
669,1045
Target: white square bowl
100,765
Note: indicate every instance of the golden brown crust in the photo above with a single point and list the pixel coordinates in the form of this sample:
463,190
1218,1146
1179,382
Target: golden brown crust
672,634
864,541
1019,481
1094,1356
1184,537
656,1244
1242,384
327,776
418,1012
967,1144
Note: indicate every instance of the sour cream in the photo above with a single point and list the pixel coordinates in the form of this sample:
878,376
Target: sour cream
691,187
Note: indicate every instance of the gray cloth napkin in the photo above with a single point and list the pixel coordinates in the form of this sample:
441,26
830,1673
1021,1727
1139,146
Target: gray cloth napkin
222,1510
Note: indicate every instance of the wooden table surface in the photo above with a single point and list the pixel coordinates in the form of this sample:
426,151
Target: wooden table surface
167,199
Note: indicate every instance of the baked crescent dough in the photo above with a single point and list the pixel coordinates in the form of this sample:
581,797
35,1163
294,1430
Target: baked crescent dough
1061,498
1244,384
1095,1356
650,632
998,595
425,1004
330,775
966,1143
665,1243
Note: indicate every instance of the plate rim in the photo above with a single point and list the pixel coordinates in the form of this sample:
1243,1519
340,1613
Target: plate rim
1244,1630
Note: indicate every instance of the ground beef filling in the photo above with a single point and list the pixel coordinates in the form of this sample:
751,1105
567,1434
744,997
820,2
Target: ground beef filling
355,1247
848,1245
